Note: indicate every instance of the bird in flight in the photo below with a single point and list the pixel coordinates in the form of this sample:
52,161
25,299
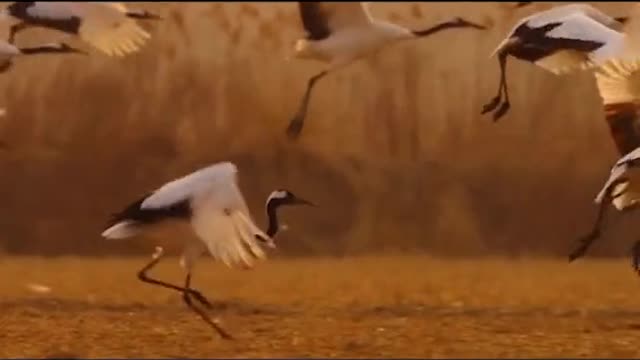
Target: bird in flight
339,33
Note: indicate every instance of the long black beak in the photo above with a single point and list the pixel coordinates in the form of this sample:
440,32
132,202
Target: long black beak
300,201
143,15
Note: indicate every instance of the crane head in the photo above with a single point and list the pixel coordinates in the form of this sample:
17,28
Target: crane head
285,197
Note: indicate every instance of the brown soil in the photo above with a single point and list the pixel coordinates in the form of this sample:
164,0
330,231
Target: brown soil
357,307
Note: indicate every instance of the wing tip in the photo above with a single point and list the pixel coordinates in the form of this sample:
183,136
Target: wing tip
120,230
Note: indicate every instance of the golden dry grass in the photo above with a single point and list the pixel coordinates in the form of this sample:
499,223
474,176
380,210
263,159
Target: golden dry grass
400,306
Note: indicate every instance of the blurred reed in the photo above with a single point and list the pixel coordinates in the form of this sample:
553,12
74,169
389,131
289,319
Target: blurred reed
395,151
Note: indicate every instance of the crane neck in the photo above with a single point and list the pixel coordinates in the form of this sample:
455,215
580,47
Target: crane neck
456,23
272,216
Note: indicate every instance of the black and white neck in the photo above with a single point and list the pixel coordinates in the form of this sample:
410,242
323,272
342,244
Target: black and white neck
273,203
456,23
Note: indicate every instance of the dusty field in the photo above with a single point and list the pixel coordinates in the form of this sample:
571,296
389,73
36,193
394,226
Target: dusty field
391,306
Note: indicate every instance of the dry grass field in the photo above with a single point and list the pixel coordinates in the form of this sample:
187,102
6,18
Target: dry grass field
395,154
413,306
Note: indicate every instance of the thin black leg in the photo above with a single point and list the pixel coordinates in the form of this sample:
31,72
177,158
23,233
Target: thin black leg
493,104
502,58
297,122
635,257
142,275
14,29
186,296
587,240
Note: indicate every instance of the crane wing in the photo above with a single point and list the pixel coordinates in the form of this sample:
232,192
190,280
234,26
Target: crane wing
559,12
540,19
579,43
108,29
568,38
220,215
221,219
189,186
53,10
227,238
618,172
104,25
628,158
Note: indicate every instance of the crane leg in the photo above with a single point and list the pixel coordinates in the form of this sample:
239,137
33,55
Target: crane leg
586,241
635,257
155,258
502,91
186,296
297,122
15,29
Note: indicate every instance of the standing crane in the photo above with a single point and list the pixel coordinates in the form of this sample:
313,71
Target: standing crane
211,202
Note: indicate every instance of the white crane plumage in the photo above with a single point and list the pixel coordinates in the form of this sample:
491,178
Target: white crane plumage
108,26
560,40
622,189
578,37
211,202
339,33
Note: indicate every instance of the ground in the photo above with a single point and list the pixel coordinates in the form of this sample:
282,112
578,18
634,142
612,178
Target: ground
396,306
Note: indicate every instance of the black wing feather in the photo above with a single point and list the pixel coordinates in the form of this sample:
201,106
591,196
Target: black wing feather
315,22
133,212
534,45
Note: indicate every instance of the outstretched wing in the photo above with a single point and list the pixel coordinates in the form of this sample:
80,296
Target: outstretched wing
221,219
106,27
189,186
578,43
567,38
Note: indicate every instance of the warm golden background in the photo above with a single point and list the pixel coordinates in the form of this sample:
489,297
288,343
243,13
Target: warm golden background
396,155
395,152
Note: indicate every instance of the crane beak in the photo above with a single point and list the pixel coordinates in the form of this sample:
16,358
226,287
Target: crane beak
143,15
300,201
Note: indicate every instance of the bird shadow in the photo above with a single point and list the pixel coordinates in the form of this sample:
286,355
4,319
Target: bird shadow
78,305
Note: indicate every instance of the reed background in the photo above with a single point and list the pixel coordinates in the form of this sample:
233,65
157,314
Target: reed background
395,151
